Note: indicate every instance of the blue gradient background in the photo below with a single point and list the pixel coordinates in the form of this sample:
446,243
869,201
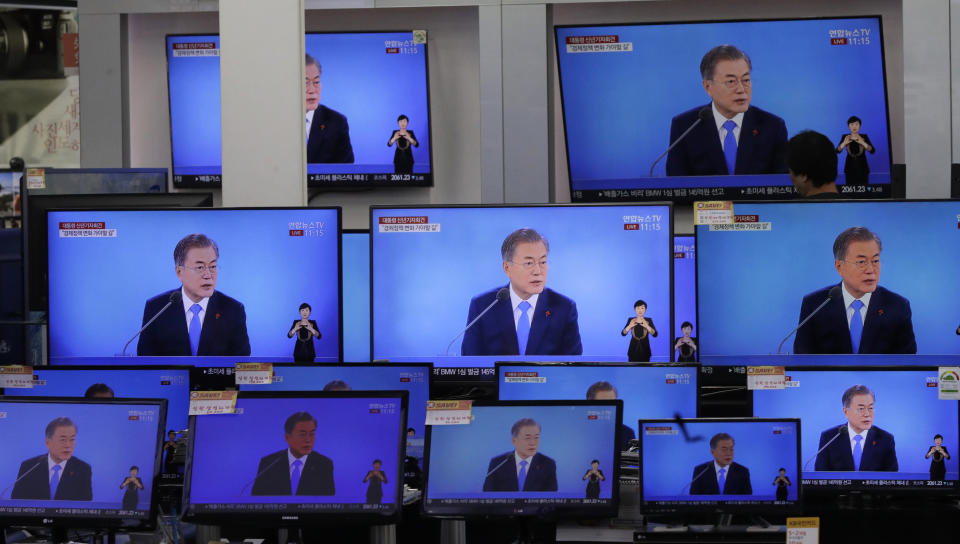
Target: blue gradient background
106,440
98,287
141,384
228,447
356,296
423,282
459,455
643,389
751,284
684,285
668,460
618,106
905,407
360,80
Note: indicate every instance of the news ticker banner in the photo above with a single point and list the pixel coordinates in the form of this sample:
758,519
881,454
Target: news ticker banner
16,377
449,412
205,403
253,373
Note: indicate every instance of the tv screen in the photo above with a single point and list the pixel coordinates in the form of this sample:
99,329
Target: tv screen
723,465
647,391
227,286
9,198
544,459
685,347
356,295
434,270
909,435
297,458
615,139
783,254
367,109
170,383
80,462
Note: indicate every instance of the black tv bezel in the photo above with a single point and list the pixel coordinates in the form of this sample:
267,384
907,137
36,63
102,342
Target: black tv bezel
517,509
721,507
857,485
47,519
670,210
301,519
339,214
729,193
333,186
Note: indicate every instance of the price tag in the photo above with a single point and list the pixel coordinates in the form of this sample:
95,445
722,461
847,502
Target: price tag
253,373
419,36
766,377
803,530
36,178
16,377
204,403
948,382
713,212
448,412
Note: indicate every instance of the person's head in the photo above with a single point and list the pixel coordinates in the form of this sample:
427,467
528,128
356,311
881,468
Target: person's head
686,328
376,464
858,407
721,447
783,471
726,78
856,253
525,435
402,121
602,390
411,431
524,254
595,464
300,432
305,310
134,470
99,391
812,161
938,439
171,435
196,258
853,123
311,74
640,307
337,385
61,438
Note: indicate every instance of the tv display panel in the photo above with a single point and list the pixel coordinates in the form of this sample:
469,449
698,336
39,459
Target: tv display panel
92,449
172,384
367,81
356,295
253,302
613,138
685,298
901,417
350,444
782,254
684,462
476,469
455,252
647,391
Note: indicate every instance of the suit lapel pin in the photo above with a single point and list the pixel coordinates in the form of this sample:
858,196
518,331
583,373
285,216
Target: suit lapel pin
547,313
756,132
217,316
874,443
323,127
880,311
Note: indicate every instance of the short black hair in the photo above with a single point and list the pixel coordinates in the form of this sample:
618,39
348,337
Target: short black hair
597,461
305,305
781,469
411,429
297,418
600,386
337,385
858,389
375,461
640,302
812,154
402,117
517,237
525,422
718,437
135,467
98,390
171,431
686,324
56,423
936,436
708,65
191,241
854,119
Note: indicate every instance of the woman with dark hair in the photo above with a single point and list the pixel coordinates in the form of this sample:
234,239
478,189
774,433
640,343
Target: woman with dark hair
596,476
781,481
686,345
406,141
134,484
305,330
377,478
938,467
640,329
855,168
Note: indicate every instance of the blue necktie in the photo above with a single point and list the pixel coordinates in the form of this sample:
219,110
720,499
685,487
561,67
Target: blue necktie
523,327
195,329
857,452
522,475
730,147
295,477
54,482
856,325
722,480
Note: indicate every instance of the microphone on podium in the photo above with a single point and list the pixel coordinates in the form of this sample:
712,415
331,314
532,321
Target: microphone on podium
695,478
840,429
703,116
834,293
175,297
502,294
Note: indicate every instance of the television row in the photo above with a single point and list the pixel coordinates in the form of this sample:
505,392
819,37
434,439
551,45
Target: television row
552,442
358,135
449,284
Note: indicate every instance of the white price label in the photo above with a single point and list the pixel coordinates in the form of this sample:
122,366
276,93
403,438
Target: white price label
803,530
253,373
205,403
766,377
16,377
449,412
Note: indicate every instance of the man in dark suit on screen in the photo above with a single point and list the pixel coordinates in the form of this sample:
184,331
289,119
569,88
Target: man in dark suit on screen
200,320
732,137
296,470
523,468
859,444
57,474
328,133
863,317
721,476
528,319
